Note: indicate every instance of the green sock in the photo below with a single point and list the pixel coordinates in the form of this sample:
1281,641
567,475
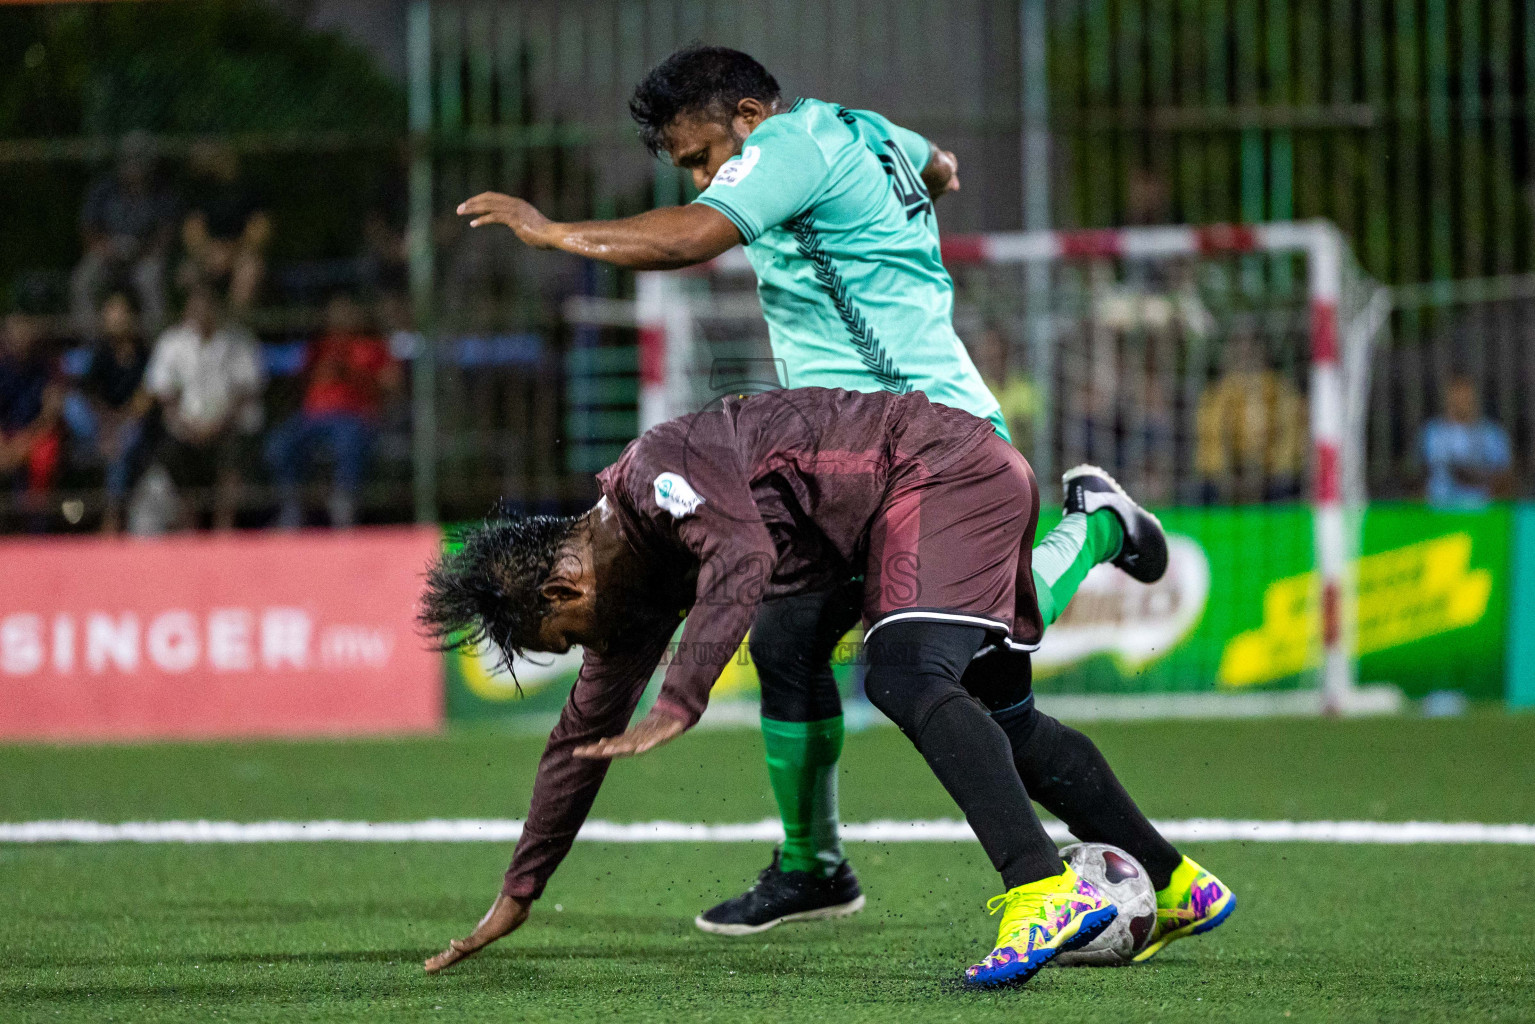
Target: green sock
802,767
1062,559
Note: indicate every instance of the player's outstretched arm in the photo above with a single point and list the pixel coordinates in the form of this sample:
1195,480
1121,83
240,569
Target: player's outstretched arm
505,916
941,175
664,239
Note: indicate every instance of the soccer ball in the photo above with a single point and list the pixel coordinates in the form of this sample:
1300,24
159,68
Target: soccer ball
1121,878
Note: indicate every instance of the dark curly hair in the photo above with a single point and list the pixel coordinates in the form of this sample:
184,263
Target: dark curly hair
696,79
487,590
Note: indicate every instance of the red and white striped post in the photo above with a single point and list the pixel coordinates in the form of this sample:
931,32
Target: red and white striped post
1328,402
650,295
665,327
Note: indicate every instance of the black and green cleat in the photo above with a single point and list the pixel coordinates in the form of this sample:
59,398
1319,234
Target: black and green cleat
778,896
1143,555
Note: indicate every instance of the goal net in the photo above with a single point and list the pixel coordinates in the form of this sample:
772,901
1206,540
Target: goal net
1220,373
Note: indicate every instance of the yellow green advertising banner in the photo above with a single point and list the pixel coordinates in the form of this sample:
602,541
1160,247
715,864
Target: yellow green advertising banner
1238,607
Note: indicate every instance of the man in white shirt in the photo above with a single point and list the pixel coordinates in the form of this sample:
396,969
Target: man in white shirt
207,376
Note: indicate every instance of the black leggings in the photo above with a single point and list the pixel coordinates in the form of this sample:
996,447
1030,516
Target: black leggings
1063,770
975,722
914,676
791,644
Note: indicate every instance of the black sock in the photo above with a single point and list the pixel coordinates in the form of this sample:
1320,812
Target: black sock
1068,775
913,677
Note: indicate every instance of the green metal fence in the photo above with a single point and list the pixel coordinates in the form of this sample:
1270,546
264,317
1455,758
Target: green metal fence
1407,122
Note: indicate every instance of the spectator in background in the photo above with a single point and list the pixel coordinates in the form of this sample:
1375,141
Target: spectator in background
207,376
225,232
127,225
1148,198
30,401
1164,304
348,375
107,410
1468,456
1252,430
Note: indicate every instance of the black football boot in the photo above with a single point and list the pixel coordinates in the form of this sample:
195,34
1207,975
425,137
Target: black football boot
1144,553
778,896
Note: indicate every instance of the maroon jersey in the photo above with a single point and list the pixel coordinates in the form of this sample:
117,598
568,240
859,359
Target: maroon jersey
772,495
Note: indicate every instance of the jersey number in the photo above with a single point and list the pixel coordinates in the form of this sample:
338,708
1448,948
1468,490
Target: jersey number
907,183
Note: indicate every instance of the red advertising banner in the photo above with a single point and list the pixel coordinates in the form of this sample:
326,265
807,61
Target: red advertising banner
236,635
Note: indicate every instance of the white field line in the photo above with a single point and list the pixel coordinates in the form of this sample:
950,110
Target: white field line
941,830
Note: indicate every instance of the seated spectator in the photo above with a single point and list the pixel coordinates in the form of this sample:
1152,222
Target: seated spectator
1252,431
225,231
348,375
30,400
107,411
1468,456
127,225
207,376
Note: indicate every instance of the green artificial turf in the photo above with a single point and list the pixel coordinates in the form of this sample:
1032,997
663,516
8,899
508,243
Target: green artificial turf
306,932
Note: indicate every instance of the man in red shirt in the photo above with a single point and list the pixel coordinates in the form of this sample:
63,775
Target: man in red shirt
349,373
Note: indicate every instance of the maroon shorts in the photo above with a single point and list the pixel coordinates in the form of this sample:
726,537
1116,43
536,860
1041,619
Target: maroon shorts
957,545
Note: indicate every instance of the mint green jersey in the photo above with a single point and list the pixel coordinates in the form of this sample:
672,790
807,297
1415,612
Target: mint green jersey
841,232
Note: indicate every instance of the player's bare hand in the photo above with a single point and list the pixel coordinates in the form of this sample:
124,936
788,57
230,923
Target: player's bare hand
942,173
652,731
518,214
505,916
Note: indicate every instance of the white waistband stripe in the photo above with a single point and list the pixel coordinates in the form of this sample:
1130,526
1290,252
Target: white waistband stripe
925,616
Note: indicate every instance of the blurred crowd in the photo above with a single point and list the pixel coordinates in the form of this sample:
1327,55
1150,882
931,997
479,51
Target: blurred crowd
154,393
1189,402
1133,399
154,235
152,405
176,424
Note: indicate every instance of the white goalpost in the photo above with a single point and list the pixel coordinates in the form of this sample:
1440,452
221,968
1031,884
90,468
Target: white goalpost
1130,349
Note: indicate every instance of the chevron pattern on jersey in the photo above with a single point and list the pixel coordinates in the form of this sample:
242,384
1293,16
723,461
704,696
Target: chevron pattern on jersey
870,349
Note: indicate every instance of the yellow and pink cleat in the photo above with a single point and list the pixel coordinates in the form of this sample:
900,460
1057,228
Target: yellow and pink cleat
1039,921
1193,902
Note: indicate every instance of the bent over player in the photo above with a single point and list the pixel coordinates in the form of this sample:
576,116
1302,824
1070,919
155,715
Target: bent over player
784,492
835,208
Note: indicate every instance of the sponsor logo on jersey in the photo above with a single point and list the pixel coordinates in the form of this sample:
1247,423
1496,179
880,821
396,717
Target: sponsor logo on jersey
735,170
676,495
